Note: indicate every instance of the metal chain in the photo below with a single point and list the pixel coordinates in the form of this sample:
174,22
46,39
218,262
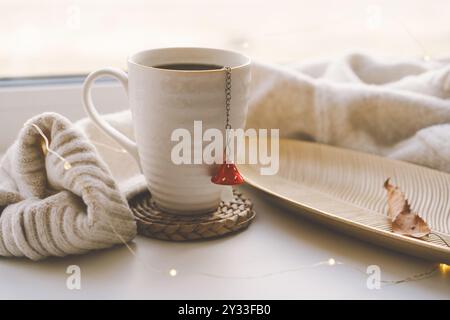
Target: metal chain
228,95
227,108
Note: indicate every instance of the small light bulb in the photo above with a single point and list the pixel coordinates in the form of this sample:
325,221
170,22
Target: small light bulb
173,272
331,262
67,165
444,268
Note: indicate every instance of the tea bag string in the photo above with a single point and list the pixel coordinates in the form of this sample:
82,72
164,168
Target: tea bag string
227,108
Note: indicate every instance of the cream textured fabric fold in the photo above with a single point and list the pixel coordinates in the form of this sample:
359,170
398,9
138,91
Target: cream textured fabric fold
49,211
398,109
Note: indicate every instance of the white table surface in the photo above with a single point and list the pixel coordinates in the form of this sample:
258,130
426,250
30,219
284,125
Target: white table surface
276,242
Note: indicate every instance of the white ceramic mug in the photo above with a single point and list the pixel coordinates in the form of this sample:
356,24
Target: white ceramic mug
162,100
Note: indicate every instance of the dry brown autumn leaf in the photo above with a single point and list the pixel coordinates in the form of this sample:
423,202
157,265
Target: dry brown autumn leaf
404,221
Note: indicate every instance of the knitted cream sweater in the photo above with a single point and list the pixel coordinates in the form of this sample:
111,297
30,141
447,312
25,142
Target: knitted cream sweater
47,210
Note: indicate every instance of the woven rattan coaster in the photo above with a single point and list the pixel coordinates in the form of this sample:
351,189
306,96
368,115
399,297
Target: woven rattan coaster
228,218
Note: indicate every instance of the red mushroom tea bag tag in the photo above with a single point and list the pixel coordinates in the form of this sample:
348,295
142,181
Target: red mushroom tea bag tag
227,173
228,176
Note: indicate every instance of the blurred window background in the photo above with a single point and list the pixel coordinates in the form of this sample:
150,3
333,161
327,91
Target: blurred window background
72,37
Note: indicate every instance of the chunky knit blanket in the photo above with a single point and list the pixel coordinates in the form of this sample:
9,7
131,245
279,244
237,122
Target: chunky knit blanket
394,108
50,207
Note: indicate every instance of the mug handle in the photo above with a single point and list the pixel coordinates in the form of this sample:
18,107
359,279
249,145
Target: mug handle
128,144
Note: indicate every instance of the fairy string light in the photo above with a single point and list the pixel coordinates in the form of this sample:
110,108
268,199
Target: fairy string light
331,262
66,163
173,272
419,276
106,146
46,147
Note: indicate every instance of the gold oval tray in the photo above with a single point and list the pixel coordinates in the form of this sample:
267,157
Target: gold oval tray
344,189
